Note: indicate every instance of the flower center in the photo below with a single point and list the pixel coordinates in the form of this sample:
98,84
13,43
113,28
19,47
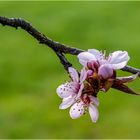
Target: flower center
86,100
94,82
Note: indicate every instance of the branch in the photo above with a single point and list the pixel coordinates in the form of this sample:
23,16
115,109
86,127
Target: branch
63,60
59,49
131,70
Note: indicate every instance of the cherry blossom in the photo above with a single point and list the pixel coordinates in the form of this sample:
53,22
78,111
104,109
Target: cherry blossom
98,74
79,95
105,66
86,103
101,73
71,91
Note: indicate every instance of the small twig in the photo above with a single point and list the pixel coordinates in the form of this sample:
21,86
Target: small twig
59,49
63,60
131,70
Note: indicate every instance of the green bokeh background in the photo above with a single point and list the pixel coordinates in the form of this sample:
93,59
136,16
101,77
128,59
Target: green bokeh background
30,72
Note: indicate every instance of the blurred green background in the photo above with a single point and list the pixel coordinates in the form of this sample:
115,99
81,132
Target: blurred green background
30,72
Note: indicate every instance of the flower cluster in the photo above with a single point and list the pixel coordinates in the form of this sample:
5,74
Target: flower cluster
98,74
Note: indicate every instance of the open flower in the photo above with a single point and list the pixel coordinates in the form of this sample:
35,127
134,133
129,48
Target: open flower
102,70
71,91
86,103
98,74
78,95
105,66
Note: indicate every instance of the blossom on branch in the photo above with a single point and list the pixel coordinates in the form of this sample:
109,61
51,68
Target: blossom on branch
71,91
103,69
99,62
86,103
76,94
98,74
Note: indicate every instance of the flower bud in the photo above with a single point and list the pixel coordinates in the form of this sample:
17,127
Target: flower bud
93,65
105,71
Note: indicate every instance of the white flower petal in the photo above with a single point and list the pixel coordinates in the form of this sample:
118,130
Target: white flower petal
96,53
77,110
93,111
83,75
94,100
66,89
118,59
85,57
74,74
67,102
80,91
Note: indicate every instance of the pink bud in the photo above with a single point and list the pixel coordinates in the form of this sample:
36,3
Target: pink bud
89,73
105,71
93,65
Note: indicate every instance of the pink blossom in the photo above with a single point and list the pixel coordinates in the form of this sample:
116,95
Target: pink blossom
71,91
97,61
86,103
